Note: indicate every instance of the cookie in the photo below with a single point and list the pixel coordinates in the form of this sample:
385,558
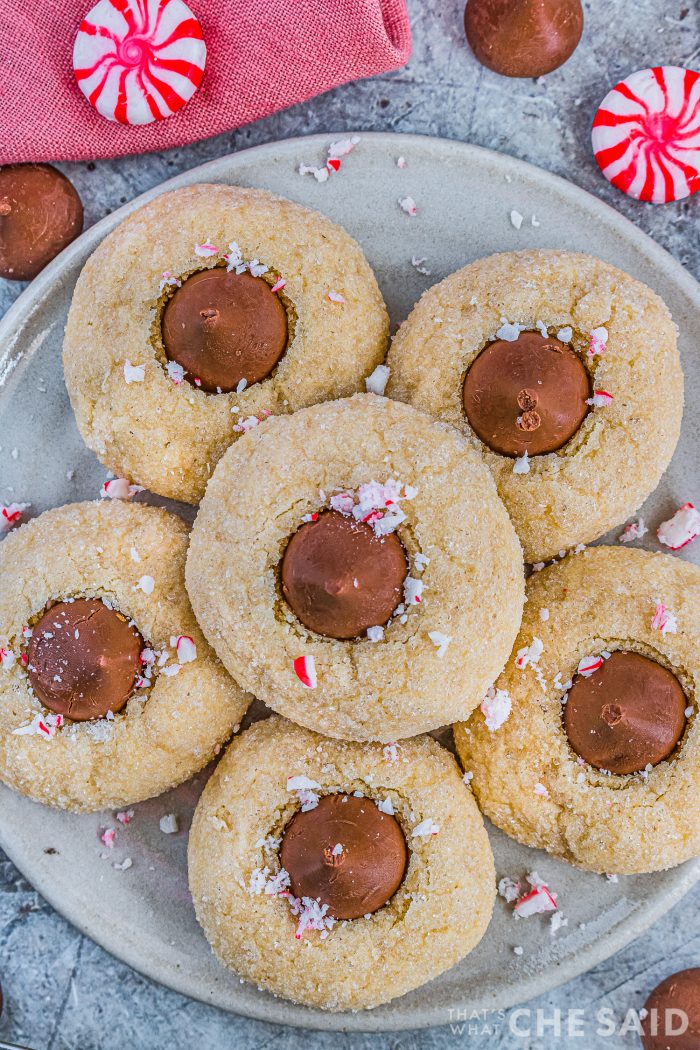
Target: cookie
564,372
213,288
598,761
109,693
300,540
350,820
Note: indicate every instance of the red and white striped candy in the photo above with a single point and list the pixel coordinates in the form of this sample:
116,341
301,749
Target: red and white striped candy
305,670
589,665
137,61
646,134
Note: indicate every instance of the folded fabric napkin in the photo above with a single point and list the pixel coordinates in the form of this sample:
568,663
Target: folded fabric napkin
262,55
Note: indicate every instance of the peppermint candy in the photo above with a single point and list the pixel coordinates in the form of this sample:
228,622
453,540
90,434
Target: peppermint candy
137,61
664,620
119,488
679,530
305,670
496,708
646,134
11,515
589,665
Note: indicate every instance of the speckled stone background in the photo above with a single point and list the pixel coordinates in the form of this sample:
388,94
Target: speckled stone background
64,993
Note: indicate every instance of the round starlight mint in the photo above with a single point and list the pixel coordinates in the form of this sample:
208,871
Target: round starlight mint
137,61
646,134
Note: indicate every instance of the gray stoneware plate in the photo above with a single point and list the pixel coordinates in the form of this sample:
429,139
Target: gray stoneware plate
464,197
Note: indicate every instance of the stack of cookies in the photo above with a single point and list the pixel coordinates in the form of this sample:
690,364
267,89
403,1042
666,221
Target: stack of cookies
358,564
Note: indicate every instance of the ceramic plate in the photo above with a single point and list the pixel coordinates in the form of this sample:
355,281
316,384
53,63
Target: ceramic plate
464,198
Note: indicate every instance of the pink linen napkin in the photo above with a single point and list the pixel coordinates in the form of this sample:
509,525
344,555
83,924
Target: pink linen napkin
262,55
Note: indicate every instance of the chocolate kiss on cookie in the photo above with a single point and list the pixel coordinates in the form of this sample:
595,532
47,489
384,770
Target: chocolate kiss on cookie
626,716
339,578
83,659
345,853
224,327
526,395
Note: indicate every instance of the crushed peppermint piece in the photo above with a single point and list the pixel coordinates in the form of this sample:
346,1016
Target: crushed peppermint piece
400,162
337,849
336,150
251,422
7,659
124,865
119,488
566,334
522,464
391,752
375,634
509,332
611,878
634,531
544,615
108,836
589,665
408,205
425,829
276,287
336,297
420,561
518,949
537,901
134,373
376,382
41,725
169,824
386,806
681,529
600,399
11,514
305,790
146,584
540,789
186,649
542,329
664,620
205,250
376,504
305,670
598,339
418,264
467,777
171,670
529,654
175,372
440,640
257,269
320,174
509,889
342,147
125,816
412,590
312,915
168,278
516,219
496,708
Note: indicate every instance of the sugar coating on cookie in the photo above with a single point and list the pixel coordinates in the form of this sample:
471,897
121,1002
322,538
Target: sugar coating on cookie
295,637
603,717
205,311
276,776
589,352
109,693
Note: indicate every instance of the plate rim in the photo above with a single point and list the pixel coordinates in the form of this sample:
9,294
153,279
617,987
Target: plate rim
268,1008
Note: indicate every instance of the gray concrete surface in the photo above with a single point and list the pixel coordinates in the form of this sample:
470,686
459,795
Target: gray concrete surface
64,993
